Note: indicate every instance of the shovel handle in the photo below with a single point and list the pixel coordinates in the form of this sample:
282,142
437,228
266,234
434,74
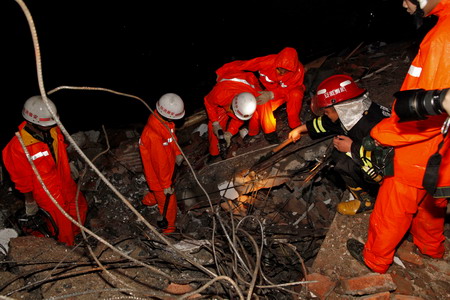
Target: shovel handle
282,145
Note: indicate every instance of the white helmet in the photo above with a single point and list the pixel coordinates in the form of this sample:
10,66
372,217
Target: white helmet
244,105
170,106
36,112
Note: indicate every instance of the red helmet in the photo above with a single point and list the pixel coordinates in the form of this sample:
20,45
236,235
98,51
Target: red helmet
335,89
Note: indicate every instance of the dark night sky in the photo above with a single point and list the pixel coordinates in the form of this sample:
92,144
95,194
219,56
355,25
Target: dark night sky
144,49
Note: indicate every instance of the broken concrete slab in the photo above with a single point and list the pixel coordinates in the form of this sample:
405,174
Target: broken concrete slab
368,284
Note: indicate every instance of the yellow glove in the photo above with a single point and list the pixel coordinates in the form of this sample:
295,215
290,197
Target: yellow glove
216,127
179,159
31,208
227,136
169,191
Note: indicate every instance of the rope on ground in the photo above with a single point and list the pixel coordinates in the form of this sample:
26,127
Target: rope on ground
89,162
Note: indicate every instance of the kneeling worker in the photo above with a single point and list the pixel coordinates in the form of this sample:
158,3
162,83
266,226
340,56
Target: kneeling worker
349,115
229,104
47,148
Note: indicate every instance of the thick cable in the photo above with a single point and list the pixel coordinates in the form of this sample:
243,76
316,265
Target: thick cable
81,153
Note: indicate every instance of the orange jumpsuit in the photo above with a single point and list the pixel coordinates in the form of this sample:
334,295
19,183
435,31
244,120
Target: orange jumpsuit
287,88
402,202
218,103
158,153
55,175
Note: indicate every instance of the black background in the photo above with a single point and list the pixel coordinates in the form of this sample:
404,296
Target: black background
149,48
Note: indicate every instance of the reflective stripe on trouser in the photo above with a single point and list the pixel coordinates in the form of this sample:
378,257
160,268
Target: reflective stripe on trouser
171,214
397,208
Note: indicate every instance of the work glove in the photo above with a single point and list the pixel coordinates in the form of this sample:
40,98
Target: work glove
227,136
216,127
264,97
31,208
179,159
169,191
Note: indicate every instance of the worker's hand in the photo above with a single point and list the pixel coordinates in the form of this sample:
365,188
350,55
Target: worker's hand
31,208
446,102
227,136
169,191
216,127
179,159
264,97
342,143
295,134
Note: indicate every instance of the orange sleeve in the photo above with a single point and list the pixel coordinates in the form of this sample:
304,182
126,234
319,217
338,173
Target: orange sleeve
18,167
389,132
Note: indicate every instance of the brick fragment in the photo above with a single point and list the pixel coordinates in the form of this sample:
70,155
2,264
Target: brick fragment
405,297
368,284
378,296
323,287
406,253
440,266
179,289
404,285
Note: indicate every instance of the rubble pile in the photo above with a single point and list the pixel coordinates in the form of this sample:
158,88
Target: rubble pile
267,225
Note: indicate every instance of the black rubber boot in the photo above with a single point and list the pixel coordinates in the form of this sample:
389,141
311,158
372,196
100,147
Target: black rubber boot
212,159
355,248
248,139
272,137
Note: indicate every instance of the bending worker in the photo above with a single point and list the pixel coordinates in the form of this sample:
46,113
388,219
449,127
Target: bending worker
160,153
229,104
281,76
403,202
349,115
45,144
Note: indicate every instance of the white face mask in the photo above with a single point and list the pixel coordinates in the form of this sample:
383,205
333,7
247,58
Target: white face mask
350,112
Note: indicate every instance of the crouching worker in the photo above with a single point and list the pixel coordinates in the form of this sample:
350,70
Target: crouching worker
349,115
159,154
229,104
281,76
47,149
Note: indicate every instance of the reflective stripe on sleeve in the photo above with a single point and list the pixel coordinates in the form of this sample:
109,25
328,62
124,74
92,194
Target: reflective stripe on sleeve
317,122
414,71
238,80
366,156
169,140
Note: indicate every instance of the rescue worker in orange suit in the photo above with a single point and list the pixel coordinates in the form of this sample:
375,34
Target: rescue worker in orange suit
347,113
229,104
160,154
281,76
403,203
45,144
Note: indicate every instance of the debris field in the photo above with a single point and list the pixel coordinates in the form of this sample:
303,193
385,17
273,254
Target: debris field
264,230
